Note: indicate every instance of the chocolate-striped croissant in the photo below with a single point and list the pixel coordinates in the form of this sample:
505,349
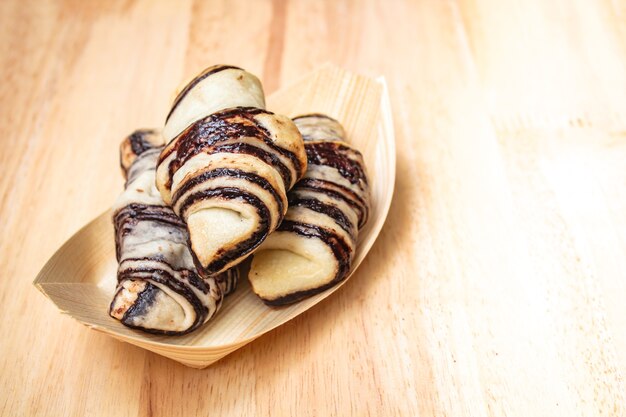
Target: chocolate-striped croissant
313,248
159,290
228,166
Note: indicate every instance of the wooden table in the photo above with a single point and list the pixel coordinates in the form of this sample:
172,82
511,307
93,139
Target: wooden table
498,284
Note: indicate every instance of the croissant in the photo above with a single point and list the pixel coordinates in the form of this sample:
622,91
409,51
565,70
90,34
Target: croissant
228,166
159,290
313,248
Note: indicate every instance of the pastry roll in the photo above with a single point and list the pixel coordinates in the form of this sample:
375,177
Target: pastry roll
228,166
228,280
313,247
159,290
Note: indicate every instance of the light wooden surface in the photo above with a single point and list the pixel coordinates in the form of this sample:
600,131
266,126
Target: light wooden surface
497,286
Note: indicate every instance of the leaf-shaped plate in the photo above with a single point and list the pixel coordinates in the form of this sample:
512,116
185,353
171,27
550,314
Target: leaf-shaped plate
80,277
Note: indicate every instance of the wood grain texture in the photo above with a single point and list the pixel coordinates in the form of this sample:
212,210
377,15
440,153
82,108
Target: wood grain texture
497,285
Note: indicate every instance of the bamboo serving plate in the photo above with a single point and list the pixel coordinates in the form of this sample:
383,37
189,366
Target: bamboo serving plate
81,276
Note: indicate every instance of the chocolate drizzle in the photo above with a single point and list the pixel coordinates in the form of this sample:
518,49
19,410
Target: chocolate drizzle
225,193
335,155
337,191
243,248
139,142
267,157
229,172
319,127
133,213
127,218
136,145
196,80
329,210
145,300
205,135
316,115
161,276
228,281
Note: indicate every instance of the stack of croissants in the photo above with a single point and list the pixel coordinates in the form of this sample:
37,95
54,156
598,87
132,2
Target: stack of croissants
226,180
